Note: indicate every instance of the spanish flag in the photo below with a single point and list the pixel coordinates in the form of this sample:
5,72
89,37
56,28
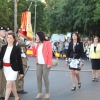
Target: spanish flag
26,26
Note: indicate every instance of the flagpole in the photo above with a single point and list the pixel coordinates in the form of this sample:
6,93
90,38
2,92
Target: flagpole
30,6
35,19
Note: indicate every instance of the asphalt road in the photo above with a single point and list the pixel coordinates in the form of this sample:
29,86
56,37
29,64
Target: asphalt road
60,83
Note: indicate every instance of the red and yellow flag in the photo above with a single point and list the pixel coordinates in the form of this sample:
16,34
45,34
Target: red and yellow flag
26,26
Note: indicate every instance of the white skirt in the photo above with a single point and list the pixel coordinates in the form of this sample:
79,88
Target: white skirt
9,73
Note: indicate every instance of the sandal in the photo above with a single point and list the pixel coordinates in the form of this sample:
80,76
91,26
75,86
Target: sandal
73,89
93,79
96,79
79,85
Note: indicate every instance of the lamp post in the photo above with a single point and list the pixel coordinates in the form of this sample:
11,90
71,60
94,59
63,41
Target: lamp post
35,19
35,14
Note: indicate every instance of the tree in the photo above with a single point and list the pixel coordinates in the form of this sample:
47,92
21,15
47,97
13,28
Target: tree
97,11
5,13
72,15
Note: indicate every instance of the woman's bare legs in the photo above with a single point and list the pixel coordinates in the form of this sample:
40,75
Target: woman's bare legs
73,77
10,86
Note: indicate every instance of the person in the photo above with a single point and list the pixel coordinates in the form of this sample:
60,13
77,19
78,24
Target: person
66,44
54,48
2,77
60,47
23,43
43,52
11,63
8,30
87,50
95,58
76,52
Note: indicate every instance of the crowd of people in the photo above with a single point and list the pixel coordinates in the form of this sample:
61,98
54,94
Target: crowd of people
77,50
62,47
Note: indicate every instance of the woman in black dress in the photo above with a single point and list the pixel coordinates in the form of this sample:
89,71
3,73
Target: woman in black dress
75,53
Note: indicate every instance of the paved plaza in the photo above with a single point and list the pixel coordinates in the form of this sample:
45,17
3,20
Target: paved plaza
60,83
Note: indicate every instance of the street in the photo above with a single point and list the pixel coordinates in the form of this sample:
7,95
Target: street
60,83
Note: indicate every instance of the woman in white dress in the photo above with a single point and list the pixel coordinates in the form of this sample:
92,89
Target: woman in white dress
11,63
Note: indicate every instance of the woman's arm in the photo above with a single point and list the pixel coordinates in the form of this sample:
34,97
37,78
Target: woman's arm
90,53
82,50
68,52
19,60
49,51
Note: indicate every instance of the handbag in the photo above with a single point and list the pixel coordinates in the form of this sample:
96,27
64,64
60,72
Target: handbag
54,61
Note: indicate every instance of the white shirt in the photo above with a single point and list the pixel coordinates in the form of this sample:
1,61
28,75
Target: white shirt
40,55
6,57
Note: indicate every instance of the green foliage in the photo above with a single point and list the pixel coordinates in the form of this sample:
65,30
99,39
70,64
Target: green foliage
97,11
7,13
73,15
56,16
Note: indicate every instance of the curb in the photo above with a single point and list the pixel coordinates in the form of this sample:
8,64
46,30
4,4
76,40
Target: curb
62,70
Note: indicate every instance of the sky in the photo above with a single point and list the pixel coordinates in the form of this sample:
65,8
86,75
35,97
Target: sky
43,0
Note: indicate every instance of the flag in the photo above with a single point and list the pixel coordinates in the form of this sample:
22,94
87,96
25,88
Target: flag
26,26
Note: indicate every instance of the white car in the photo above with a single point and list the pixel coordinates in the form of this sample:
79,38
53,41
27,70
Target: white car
57,38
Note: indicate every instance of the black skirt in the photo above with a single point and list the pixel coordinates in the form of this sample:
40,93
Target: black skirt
95,64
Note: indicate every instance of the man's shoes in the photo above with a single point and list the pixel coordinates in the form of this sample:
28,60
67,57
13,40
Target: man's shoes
22,92
2,98
11,95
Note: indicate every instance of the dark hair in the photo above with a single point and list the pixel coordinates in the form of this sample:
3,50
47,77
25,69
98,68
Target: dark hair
78,38
14,37
41,36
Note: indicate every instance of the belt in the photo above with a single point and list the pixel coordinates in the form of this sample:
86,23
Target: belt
6,64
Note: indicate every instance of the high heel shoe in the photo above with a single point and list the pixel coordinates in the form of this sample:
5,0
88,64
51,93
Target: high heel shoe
73,89
79,85
39,96
96,79
93,79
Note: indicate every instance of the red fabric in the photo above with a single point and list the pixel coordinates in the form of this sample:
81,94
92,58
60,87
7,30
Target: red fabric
6,64
47,52
24,20
22,32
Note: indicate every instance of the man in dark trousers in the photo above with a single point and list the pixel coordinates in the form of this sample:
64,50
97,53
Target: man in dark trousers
23,43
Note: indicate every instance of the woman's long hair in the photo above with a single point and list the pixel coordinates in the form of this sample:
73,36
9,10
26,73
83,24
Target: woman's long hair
78,38
41,36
